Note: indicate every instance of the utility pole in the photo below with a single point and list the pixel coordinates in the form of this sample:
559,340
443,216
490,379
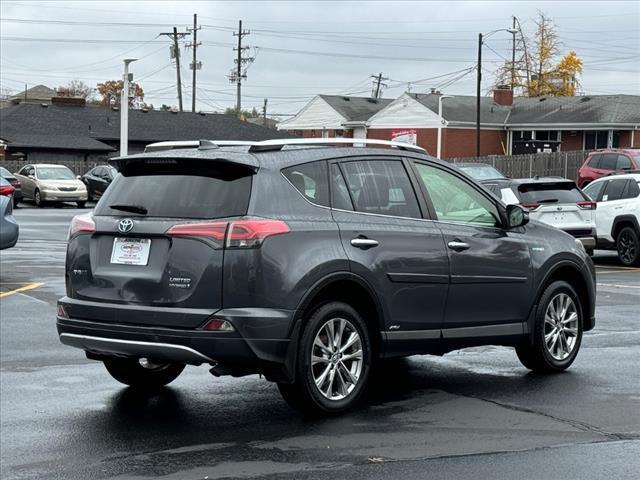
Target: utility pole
264,113
377,81
513,57
195,65
237,75
176,54
478,81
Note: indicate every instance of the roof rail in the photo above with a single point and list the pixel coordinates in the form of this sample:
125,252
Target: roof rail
201,144
272,145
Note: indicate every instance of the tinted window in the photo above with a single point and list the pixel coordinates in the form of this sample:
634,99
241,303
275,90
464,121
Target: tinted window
594,190
381,187
339,192
609,161
455,200
623,163
614,190
594,162
310,179
54,173
550,193
4,172
24,171
195,190
97,172
631,190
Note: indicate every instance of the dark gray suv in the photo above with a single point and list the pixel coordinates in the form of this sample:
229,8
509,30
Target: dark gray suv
307,264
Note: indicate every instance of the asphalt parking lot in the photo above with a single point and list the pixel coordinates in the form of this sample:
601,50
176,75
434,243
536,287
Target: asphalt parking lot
475,413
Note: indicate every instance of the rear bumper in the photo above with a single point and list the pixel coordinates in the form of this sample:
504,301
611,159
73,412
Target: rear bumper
259,352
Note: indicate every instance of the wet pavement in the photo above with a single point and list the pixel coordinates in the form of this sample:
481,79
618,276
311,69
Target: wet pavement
475,413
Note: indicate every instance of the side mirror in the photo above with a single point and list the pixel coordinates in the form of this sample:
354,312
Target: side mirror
516,216
78,177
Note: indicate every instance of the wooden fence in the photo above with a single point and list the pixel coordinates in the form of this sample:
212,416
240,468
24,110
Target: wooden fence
556,164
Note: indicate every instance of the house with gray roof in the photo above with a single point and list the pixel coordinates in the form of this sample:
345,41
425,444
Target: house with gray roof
328,116
66,130
507,123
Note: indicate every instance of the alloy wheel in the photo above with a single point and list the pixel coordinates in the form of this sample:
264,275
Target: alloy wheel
626,247
336,359
561,326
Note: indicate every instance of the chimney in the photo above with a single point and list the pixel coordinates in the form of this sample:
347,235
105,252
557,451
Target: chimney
503,95
69,101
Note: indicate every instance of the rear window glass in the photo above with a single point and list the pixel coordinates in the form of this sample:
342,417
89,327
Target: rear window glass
550,193
196,190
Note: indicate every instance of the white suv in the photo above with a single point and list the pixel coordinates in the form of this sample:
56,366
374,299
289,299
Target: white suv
552,200
618,214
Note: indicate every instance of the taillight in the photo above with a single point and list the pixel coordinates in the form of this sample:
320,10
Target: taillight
81,224
6,190
587,205
531,206
214,230
238,234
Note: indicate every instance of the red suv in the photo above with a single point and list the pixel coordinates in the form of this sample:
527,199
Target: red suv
603,162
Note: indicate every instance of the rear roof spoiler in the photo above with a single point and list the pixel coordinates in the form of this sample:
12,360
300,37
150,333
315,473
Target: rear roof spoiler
201,144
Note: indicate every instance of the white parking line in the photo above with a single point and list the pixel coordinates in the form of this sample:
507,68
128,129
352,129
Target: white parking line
617,286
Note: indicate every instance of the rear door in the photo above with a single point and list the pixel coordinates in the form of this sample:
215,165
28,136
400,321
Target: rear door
490,268
611,205
391,245
158,239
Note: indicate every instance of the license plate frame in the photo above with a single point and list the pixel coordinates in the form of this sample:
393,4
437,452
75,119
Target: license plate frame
130,251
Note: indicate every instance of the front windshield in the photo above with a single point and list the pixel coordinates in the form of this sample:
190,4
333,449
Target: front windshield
481,172
54,173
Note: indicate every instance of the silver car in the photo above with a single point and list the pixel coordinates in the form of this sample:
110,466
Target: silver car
45,183
8,225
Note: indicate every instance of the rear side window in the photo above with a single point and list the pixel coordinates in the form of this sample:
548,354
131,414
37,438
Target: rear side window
381,187
594,190
193,190
614,190
632,190
609,161
624,163
310,179
549,193
339,192
595,161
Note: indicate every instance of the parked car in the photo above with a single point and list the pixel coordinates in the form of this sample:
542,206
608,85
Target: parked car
15,183
305,262
97,180
553,200
480,171
44,183
618,215
8,226
603,162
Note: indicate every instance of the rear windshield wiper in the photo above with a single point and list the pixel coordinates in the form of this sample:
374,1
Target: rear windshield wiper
130,208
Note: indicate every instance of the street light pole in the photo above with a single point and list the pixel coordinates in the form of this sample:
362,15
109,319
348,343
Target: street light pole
441,122
124,109
478,81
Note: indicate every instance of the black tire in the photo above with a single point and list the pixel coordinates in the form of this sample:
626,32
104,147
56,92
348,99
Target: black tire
131,372
590,251
37,198
536,356
628,247
304,395
81,204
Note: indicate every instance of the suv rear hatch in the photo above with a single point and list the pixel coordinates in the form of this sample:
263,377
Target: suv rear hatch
559,203
155,240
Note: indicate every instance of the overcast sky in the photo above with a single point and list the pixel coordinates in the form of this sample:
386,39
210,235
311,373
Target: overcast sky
305,48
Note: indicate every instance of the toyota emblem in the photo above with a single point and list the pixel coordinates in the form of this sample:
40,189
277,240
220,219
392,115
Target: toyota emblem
125,225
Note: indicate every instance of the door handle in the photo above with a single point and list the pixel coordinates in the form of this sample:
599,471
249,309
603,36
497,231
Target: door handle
457,245
364,243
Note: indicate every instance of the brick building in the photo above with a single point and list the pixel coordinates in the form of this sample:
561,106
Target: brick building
561,123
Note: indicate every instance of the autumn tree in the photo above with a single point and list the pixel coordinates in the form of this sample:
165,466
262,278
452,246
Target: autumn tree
111,91
76,88
537,70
